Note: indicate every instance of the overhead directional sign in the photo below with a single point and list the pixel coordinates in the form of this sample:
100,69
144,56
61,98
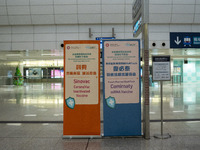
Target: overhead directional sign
184,40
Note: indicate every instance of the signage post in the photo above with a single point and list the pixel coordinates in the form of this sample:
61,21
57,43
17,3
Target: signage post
121,92
161,72
81,105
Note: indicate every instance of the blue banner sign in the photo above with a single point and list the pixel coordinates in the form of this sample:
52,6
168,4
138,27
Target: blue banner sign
184,40
121,92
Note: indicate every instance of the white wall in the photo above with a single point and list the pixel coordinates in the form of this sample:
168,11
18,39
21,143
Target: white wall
174,11
32,37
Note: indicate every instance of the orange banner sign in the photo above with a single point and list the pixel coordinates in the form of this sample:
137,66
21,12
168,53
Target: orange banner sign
81,88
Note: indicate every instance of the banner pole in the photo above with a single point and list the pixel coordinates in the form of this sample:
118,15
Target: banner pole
162,136
161,97
145,57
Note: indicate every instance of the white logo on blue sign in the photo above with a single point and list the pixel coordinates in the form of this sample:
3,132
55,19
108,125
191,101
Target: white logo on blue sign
196,40
70,102
187,41
110,101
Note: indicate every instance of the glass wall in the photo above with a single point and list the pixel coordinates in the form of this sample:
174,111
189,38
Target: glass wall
40,98
181,95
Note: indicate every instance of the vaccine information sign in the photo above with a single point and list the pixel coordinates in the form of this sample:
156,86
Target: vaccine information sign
121,78
81,88
161,68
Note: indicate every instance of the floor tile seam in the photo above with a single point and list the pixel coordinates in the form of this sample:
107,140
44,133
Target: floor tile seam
57,144
61,122
13,132
179,135
28,143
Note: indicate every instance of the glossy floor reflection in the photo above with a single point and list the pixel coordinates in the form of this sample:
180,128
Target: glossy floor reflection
180,101
32,102
184,136
44,102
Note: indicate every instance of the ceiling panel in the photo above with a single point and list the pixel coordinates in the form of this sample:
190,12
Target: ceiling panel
45,29
24,46
86,2
128,18
89,18
63,2
112,18
197,1
113,2
113,9
65,9
159,18
44,10
180,18
22,37
184,1
42,2
3,2
5,38
160,1
4,20
197,18
197,9
31,12
22,29
19,20
66,19
17,2
5,46
89,9
3,11
160,9
5,30
183,9
42,19
18,10
68,29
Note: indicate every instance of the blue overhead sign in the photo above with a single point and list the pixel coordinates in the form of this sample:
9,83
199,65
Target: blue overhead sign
184,40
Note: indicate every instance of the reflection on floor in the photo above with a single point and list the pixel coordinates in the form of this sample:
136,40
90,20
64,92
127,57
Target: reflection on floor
32,102
44,102
184,136
180,101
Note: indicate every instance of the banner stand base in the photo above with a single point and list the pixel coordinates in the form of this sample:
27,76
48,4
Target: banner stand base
81,137
164,136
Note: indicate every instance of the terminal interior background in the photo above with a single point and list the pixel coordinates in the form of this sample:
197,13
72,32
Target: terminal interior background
31,38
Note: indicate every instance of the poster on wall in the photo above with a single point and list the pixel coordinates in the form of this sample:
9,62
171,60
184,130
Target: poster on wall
35,73
121,92
81,88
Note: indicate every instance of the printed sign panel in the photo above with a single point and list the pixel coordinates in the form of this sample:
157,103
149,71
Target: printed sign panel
161,68
122,71
122,107
82,73
82,86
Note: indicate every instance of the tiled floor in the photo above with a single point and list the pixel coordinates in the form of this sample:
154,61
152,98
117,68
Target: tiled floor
184,136
44,102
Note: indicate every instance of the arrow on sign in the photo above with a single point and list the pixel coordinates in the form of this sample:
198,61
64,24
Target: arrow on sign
177,41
